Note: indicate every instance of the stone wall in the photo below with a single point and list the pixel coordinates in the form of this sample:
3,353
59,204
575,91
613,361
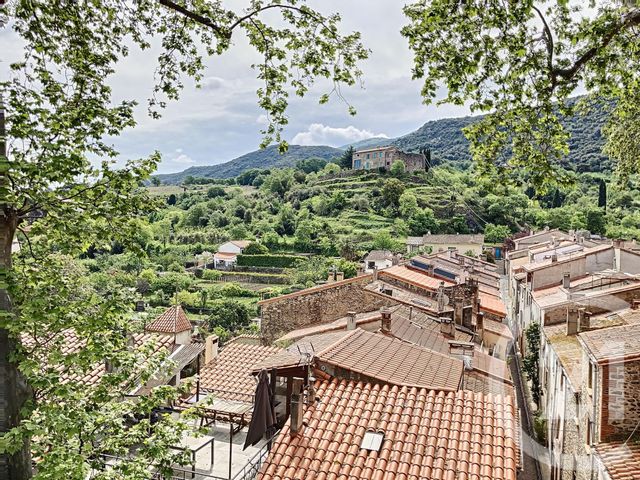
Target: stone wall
412,161
620,399
321,304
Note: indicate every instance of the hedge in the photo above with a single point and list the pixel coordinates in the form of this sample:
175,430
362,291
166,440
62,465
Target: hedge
279,261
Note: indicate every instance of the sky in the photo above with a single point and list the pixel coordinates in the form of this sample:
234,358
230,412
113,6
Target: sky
222,121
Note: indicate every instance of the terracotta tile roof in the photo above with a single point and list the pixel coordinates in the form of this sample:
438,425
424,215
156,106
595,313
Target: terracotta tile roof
301,352
228,376
497,328
622,461
426,435
374,255
172,320
414,277
393,361
614,344
492,304
70,343
241,243
224,255
339,324
476,381
424,331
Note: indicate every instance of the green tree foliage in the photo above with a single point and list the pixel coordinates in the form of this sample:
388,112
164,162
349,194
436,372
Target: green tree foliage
596,221
228,314
217,191
156,182
384,241
279,182
171,199
392,190
522,61
408,204
255,248
397,168
311,165
602,194
531,360
422,221
346,158
496,233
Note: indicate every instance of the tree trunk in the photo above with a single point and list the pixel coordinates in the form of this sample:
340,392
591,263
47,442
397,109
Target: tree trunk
14,390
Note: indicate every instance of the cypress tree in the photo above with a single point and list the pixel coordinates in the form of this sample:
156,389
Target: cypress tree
602,195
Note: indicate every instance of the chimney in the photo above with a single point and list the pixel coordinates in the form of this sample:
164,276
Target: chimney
440,297
410,313
531,257
566,280
554,241
386,320
430,271
447,328
297,405
461,260
375,273
572,323
480,323
554,258
635,304
351,320
339,276
584,319
210,348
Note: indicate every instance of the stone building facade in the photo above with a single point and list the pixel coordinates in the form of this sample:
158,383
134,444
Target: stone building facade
320,304
383,157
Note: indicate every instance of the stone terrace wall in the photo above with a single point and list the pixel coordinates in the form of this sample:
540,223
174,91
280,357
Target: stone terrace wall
324,303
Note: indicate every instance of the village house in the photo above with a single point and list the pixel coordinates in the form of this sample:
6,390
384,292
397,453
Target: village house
431,243
383,157
227,254
379,259
381,406
590,378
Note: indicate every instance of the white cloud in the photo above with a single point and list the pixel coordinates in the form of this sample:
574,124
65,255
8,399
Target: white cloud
319,134
262,119
213,83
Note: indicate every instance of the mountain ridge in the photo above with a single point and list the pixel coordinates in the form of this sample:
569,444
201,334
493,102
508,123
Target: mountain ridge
444,137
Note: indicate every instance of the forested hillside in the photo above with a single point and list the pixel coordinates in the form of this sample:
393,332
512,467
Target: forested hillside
444,137
263,158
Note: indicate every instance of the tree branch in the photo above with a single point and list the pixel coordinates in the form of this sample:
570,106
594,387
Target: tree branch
196,17
548,38
630,20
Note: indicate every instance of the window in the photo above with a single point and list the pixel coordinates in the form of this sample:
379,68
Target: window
367,155
367,166
356,164
591,375
372,441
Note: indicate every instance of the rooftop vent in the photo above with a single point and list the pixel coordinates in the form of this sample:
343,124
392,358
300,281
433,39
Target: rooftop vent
372,441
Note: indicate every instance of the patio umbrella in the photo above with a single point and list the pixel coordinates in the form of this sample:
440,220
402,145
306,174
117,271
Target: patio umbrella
263,417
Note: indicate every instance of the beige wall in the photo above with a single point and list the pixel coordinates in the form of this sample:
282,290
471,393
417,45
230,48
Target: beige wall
461,247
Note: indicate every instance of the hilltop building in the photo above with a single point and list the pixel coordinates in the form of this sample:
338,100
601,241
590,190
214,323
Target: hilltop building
383,157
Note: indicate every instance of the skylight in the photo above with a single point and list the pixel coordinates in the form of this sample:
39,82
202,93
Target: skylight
372,441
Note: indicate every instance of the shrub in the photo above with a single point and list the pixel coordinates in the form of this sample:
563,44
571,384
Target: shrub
212,275
277,261
170,282
175,267
255,248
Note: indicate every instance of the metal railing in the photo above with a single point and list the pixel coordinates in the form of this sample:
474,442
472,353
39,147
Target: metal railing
252,467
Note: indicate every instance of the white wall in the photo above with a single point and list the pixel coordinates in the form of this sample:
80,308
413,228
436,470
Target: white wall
229,247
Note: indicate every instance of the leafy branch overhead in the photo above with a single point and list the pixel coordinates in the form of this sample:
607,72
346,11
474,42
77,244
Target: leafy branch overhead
60,111
521,61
